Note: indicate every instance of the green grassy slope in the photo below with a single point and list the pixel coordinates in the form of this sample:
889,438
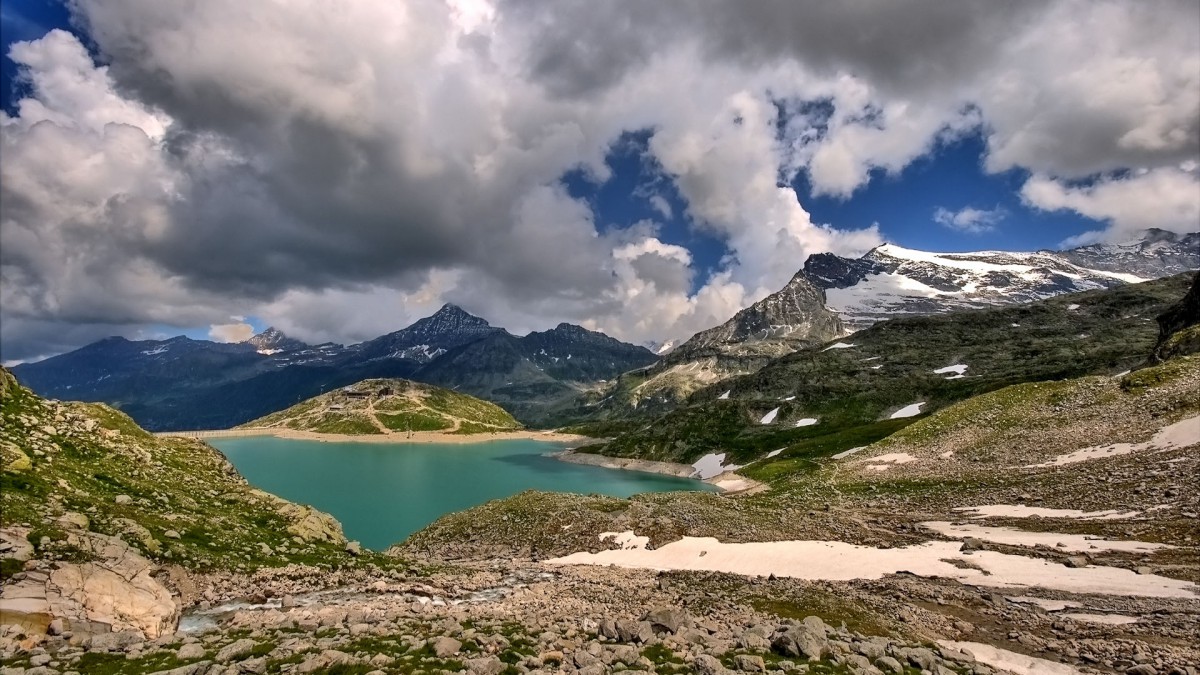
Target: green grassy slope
397,405
175,500
892,365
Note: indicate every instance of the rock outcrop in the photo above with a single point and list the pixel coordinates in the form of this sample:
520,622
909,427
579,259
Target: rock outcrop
114,591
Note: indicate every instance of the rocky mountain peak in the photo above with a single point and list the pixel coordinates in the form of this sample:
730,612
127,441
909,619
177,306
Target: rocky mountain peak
450,319
794,314
276,340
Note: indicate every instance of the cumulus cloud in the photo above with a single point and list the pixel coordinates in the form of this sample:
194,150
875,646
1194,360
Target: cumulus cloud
239,331
969,219
344,172
1165,198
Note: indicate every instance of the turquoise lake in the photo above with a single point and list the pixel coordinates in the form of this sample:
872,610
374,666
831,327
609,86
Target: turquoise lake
384,492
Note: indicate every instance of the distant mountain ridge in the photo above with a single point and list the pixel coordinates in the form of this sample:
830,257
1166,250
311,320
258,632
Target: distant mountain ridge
892,281
183,383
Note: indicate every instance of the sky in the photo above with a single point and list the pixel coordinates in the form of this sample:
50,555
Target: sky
339,170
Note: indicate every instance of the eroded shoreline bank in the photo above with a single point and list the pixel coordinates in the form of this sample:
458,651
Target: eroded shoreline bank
727,482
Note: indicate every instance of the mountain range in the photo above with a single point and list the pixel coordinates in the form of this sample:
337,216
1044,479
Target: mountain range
569,373
181,383
832,297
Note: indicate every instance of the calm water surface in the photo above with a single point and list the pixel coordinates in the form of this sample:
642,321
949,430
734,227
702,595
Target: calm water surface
383,492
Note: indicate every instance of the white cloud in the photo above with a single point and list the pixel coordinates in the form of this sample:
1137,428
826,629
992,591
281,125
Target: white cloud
662,206
1164,198
353,166
230,332
969,219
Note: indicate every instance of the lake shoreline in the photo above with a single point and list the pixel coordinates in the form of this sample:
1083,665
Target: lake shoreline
728,482
417,437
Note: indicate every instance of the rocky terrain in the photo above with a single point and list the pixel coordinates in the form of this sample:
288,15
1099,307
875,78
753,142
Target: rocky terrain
1047,526
390,406
792,318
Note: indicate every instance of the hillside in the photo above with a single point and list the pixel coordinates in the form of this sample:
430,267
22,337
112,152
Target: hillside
92,507
1041,524
390,406
865,386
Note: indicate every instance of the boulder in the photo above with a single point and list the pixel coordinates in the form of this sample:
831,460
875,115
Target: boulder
113,592
706,664
667,619
446,646
800,641
234,650
750,663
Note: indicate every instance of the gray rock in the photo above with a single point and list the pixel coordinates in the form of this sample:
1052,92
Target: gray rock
921,658
446,646
190,669
889,665
190,651
625,654
799,641
750,663
235,649
1077,561
123,499
487,665
667,619
39,659
707,664
1142,669
118,641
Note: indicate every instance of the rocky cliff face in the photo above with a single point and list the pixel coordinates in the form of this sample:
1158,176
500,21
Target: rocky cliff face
782,322
792,318
1179,326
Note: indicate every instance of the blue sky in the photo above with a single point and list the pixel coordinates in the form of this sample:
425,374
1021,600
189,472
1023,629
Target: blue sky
340,171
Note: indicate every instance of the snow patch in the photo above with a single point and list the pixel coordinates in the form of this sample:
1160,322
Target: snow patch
1011,662
1178,435
626,539
1077,543
885,462
724,396
806,422
774,453
1110,619
840,561
846,453
269,352
958,369
1072,307
839,345
1020,511
769,417
907,411
712,464
158,350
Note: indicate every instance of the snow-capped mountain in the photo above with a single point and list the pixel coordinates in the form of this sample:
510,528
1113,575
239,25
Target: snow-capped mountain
891,281
272,341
